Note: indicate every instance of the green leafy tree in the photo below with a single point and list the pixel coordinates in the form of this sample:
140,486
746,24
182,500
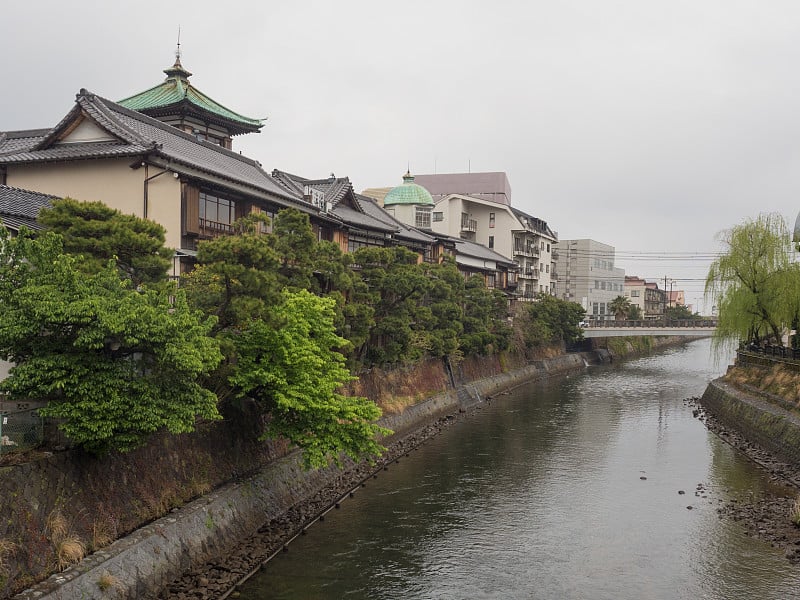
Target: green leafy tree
755,283
680,312
99,234
281,346
237,276
114,364
635,313
394,287
550,320
295,244
440,314
620,307
486,329
294,370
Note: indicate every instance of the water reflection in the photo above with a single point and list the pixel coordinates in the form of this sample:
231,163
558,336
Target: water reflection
563,489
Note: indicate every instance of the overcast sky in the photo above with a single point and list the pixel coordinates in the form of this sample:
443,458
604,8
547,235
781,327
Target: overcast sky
646,125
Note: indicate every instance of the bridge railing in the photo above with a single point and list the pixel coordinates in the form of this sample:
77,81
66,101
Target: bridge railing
651,324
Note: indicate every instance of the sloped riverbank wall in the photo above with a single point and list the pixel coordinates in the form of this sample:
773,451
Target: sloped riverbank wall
759,421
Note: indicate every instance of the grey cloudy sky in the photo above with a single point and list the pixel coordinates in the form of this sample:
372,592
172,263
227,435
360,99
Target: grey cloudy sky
649,125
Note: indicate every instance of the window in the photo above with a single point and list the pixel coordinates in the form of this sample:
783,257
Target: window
596,284
491,241
438,216
216,214
634,293
542,246
354,242
594,308
491,221
548,247
422,218
547,268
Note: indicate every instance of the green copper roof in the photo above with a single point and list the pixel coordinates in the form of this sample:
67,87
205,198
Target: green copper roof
176,89
408,193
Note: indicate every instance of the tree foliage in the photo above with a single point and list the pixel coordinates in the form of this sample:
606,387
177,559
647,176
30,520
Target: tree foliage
550,320
295,372
115,364
280,342
99,234
680,312
620,307
486,328
755,283
635,313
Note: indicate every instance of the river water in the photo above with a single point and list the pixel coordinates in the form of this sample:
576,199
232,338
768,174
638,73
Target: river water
559,489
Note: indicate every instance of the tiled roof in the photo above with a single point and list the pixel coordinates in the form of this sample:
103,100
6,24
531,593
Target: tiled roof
371,207
140,135
352,217
475,250
335,190
21,207
535,223
176,90
16,141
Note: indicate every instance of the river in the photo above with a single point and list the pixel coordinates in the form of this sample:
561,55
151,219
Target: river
559,489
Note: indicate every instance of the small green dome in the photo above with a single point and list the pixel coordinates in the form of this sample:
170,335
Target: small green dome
408,193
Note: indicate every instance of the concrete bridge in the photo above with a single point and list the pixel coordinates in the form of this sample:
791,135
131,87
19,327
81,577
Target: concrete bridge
688,328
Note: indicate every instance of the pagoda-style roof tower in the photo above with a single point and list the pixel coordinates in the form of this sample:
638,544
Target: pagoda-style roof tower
180,104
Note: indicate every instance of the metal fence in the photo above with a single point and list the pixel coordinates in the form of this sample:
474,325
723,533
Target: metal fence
789,357
20,430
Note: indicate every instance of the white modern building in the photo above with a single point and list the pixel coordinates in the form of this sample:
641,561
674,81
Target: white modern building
477,207
587,275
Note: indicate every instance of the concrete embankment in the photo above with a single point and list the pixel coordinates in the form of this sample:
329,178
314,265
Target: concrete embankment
762,422
146,561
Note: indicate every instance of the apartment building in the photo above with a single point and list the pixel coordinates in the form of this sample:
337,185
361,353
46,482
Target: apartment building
588,275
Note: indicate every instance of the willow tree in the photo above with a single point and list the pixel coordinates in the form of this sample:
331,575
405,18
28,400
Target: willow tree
755,283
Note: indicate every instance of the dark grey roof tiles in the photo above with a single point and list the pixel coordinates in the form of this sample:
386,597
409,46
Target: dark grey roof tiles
371,207
17,141
354,218
140,135
21,207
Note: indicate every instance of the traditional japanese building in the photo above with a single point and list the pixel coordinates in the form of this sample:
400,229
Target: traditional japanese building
177,102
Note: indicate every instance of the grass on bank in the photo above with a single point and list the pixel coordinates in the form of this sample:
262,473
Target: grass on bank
775,380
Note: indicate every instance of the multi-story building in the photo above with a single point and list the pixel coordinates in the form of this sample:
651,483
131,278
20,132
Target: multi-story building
646,296
165,155
587,275
477,207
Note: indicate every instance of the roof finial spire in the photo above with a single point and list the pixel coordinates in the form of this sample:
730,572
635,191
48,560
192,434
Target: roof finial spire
177,71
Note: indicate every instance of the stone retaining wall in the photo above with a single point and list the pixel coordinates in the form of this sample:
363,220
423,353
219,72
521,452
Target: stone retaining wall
757,420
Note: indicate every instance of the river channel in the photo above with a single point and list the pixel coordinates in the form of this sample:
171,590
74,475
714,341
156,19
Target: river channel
560,489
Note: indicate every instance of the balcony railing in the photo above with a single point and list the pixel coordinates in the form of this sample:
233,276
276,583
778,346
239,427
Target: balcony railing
529,251
214,228
469,225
